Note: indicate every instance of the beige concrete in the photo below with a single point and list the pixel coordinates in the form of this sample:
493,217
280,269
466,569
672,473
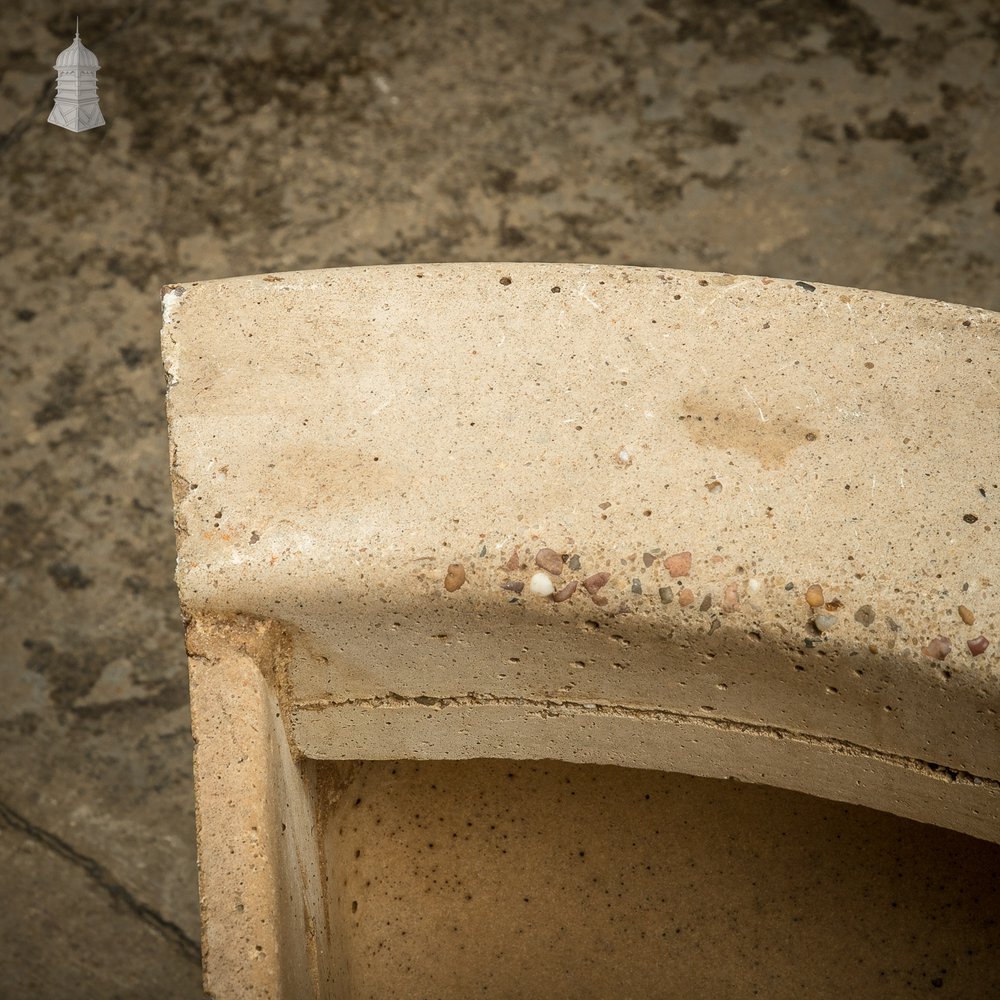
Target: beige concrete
260,858
377,467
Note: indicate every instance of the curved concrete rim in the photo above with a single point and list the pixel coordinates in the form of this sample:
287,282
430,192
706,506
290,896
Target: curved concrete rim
776,500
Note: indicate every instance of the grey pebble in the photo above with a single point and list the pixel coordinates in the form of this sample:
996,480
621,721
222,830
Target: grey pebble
865,615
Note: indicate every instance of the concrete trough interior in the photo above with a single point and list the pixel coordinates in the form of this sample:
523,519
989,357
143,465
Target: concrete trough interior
545,879
343,880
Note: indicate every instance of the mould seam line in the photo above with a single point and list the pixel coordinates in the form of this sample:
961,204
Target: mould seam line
942,772
99,874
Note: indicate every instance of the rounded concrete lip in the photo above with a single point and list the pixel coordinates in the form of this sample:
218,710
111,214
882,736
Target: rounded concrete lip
376,458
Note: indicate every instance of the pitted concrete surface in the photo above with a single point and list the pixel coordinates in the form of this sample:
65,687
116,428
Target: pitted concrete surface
851,146
654,885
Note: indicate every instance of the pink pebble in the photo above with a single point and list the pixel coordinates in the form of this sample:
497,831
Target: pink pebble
938,649
679,564
978,645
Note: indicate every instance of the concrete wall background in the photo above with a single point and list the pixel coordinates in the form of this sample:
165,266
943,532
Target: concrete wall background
848,143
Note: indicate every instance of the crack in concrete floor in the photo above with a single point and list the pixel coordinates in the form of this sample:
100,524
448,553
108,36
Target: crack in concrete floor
102,877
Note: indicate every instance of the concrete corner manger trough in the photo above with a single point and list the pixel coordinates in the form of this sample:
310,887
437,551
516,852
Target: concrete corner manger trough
452,539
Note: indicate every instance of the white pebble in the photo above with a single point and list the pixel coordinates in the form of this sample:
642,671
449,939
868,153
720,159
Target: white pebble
753,586
541,585
824,623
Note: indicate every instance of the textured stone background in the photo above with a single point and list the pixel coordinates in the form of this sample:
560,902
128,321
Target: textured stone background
846,142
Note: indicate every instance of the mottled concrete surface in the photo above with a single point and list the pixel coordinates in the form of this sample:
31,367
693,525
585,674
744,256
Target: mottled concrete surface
847,142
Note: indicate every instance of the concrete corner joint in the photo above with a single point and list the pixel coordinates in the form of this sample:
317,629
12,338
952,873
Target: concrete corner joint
729,526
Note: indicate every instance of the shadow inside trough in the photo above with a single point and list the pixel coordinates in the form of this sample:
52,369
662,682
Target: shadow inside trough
507,879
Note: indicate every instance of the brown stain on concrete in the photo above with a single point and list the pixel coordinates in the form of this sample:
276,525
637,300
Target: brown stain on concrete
769,441
321,473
